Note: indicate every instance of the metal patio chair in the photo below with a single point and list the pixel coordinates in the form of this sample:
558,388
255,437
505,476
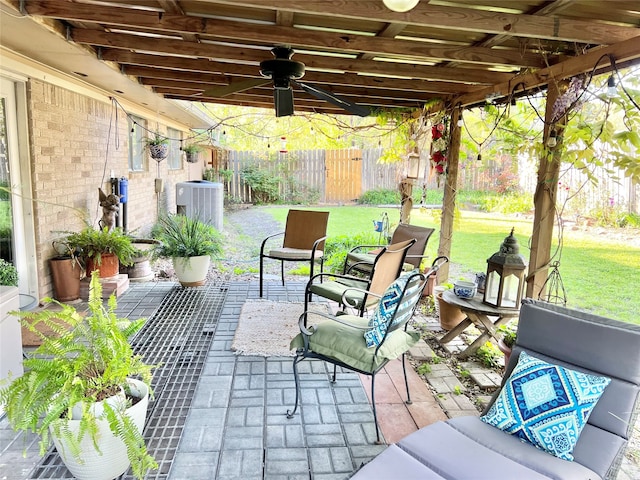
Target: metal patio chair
361,258
356,292
359,344
304,236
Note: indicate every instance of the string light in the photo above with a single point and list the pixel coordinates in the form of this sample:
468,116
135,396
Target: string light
552,141
611,87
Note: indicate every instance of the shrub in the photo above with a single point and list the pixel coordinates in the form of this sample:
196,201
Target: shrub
337,247
8,274
265,186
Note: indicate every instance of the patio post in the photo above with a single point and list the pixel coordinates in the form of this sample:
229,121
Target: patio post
449,199
545,197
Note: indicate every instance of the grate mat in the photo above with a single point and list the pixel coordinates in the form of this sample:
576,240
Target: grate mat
177,337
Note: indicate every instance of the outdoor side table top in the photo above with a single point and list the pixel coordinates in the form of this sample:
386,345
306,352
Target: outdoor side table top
485,317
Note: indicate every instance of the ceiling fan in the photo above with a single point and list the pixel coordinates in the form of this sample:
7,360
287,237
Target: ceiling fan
284,71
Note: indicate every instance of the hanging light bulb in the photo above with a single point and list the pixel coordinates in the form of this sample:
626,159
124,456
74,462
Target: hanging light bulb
552,141
460,122
400,5
611,87
479,157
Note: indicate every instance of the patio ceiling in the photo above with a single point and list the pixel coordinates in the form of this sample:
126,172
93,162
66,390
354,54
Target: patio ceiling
458,51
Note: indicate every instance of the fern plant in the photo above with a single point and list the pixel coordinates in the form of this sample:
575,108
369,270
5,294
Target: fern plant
87,360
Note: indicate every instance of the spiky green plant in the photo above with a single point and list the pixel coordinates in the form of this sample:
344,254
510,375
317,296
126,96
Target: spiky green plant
182,236
87,360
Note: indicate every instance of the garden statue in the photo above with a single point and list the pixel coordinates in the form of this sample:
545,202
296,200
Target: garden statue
110,209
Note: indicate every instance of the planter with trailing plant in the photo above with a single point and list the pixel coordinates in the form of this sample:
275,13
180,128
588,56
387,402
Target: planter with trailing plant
190,244
102,250
158,146
191,152
66,272
507,340
85,390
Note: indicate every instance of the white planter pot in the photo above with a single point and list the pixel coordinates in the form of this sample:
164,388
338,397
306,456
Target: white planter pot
111,461
191,271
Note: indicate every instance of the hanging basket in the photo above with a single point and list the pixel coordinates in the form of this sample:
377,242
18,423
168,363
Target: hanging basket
159,152
192,157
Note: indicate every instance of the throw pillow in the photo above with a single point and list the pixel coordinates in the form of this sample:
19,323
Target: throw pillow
386,308
546,405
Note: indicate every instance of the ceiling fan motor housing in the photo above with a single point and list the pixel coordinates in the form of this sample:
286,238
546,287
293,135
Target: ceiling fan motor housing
282,69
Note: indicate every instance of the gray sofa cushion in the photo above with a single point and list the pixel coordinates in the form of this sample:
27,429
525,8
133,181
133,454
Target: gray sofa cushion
466,447
394,463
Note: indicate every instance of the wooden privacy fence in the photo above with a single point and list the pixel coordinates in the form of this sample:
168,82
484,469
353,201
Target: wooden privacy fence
342,176
332,176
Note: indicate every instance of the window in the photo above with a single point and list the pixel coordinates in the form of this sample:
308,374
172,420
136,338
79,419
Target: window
174,160
137,128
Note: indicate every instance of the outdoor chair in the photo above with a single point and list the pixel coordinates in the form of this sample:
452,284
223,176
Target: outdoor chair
539,401
356,292
361,258
359,344
304,236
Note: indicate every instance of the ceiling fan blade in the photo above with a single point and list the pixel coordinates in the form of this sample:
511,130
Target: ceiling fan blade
235,87
335,100
283,100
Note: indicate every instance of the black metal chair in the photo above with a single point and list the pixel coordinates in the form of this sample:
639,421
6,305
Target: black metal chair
343,340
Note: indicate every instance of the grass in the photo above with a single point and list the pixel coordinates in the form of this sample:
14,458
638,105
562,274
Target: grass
600,275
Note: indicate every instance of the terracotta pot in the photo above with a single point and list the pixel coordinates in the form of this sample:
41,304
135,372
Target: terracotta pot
109,266
450,316
66,275
506,350
428,288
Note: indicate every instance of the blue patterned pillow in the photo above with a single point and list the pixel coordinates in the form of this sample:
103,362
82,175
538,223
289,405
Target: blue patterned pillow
384,311
546,405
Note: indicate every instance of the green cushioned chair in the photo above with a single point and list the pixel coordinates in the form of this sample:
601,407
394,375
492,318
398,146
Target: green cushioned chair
356,292
361,258
342,340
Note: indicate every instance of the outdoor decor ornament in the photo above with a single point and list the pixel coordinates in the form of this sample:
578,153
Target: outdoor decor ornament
110,208
439,145
504,283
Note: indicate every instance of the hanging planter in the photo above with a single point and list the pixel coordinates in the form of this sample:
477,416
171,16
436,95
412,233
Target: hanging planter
191,153
158,147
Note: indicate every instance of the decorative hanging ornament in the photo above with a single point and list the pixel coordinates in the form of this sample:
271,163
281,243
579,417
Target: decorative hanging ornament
283,145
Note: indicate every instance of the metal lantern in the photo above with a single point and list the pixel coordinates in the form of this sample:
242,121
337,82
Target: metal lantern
414,167
505,275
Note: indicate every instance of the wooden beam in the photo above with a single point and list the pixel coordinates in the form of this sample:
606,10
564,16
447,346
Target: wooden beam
277,35
179,65
626,51
249,56
463,19
449,198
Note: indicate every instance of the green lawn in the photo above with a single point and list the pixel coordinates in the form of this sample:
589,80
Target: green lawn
599,275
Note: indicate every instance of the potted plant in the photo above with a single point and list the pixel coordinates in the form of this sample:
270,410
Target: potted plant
103,249
140,268
450,315
191,152
507,340
85,390
8,274
190,243
66,271
158,146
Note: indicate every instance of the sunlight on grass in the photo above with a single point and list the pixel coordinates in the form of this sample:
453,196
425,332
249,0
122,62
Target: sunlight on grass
600,275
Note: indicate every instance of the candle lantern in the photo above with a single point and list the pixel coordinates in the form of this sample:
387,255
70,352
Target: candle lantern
505,275
414,167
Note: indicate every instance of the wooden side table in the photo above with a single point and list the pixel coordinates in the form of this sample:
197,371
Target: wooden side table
485,317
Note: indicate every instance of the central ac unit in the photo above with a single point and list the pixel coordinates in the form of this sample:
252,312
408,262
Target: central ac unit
202,200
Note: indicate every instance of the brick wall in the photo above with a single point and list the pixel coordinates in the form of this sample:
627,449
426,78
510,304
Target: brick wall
75,144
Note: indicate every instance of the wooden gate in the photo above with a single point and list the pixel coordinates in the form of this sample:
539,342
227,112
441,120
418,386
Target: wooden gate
343,170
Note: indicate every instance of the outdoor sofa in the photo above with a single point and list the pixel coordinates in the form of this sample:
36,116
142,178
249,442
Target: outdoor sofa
469,448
